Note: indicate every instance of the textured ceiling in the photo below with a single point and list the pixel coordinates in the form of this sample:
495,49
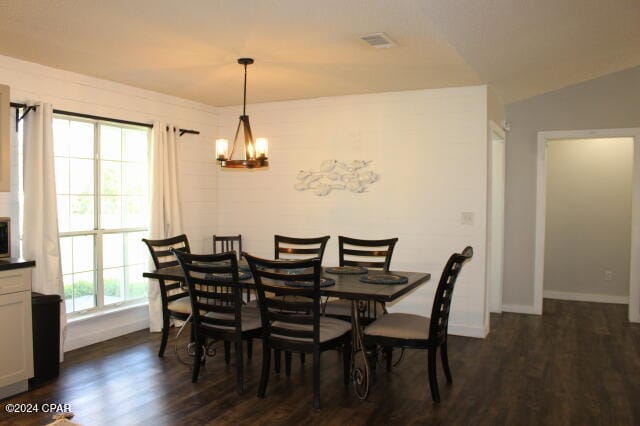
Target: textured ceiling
307,49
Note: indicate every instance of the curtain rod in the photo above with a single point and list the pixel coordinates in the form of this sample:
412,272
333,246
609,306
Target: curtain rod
97,117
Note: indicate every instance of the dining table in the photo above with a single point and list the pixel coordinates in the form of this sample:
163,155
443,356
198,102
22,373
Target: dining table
347,286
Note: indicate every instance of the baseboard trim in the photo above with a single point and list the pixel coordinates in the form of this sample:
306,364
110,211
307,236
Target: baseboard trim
520,309
586,297
105,334
14,389
468,330
88,331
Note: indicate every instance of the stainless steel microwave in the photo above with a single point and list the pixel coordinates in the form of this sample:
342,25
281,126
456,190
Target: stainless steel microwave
5,237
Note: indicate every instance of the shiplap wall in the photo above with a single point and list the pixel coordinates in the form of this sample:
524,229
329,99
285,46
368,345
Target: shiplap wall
69,91
428,146
430,149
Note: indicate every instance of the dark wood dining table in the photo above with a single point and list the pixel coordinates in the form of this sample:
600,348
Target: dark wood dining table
346,287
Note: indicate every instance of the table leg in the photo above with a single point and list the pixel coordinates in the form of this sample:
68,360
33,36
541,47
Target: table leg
359,360
209,350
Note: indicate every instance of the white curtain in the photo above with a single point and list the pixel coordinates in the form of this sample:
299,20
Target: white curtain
166,217
40,236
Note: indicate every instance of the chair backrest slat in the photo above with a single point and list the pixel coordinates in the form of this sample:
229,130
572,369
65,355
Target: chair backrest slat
289,332
269,276
299,248
227,243
292,318
438,326
160,250
216,301
353,252
281,304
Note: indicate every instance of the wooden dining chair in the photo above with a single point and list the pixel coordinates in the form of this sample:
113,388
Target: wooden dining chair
224,243
216,303
299,248
371,254
296,248
175,299
418,332
296,326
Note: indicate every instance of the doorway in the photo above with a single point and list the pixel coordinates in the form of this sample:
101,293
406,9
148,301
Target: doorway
586,217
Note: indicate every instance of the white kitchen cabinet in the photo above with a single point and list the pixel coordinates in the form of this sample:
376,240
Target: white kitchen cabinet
16,341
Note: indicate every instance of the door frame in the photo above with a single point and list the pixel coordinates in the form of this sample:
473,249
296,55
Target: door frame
497,130
541,196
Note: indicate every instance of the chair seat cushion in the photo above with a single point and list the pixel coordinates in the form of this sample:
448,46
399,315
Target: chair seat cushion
330,328
250,319
182,305
400,326
342,308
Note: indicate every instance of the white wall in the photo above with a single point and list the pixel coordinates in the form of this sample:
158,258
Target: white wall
430,149
74,92
588,218
495,229
608,102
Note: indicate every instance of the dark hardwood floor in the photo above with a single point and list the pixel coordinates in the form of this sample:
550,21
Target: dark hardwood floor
578,364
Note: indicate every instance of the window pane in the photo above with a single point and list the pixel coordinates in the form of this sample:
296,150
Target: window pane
110,143
111,212
112,250
68,292
81,213
137,252
81,172
135,179
63,213
62,175
136,285
135,145
84,291
80,139
66,255
123,202
135,212
111,177
113,279
60,137
83,259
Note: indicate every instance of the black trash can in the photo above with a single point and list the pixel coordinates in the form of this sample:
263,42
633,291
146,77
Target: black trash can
45,312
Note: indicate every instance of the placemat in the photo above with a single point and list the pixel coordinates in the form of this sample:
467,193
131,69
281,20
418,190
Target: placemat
384,279
324,282
346,270
242,275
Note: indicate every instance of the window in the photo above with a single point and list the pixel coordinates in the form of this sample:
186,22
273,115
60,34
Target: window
103,198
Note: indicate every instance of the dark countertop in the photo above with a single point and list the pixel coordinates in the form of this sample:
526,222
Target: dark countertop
9,263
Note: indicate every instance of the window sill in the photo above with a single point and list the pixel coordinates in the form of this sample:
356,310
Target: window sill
104,312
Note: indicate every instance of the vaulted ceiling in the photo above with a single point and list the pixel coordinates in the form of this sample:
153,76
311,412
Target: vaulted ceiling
306,49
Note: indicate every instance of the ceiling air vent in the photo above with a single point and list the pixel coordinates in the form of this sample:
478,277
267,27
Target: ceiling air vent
378,40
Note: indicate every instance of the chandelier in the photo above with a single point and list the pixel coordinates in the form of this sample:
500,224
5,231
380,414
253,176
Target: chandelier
255,151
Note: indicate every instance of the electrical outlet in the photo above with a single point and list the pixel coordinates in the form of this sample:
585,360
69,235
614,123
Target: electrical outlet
608,275
466,218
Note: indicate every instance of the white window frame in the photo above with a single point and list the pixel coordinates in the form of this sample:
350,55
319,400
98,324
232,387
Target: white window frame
98,232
